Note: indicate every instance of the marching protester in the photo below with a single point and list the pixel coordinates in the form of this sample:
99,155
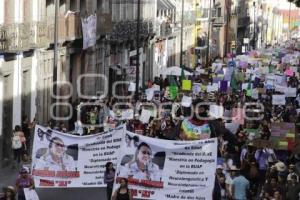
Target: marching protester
109,176
18,144
9,193
240,187
23,181
252,112
122,193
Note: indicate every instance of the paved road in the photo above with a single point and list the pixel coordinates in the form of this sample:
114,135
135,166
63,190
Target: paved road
9,175
72,194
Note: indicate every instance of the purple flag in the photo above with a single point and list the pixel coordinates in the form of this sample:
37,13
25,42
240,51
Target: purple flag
223,86
256,82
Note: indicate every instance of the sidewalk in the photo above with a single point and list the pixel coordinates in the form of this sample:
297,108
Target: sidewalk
8,176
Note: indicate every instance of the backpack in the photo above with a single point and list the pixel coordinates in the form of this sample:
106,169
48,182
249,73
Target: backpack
16,142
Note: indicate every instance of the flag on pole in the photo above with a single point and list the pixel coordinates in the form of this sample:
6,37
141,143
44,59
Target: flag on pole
233,82
182,76
173,89
249,89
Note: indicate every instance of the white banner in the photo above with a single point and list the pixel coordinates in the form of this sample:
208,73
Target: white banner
64,160
89,31
30,194
278,99
163,169
290,92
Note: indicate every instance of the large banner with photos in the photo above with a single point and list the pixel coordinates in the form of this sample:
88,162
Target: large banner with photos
164,169
155,169
64,160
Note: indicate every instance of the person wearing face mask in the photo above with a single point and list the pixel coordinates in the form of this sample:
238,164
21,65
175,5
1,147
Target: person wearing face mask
142,166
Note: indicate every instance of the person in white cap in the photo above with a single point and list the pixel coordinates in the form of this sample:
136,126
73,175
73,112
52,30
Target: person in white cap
229,180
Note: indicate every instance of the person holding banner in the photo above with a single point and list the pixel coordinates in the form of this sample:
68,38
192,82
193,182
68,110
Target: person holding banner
142,166
56,157
123,192
24,181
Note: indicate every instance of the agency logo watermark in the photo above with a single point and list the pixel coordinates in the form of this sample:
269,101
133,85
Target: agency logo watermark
248,111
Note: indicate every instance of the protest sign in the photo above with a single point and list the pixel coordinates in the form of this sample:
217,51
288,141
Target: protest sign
127,114
164,169
216,111
149,93
290,92
145,116
173,91
245,86
289,72
131,87
228,73
232,127
238,115
186,101
186,85
278,99
82,159
255,93
279,88
223,86
30,194
243,64
89,31
280,80
196,88
213,88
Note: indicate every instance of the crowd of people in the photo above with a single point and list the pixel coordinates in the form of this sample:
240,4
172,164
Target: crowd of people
249,166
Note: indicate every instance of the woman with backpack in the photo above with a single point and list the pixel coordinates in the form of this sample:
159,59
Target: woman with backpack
18,144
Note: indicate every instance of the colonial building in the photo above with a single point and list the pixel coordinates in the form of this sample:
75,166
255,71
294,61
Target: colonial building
27,55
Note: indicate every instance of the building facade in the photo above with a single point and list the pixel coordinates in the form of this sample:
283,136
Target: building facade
27,55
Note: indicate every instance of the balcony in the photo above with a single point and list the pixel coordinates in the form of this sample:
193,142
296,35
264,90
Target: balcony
126,30
69,28
104,24
218,22
164,30
22,36
243,22
73,27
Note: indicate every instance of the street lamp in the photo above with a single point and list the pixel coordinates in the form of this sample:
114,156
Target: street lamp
181,33
254,25
137,71
55,58
290,20
208,35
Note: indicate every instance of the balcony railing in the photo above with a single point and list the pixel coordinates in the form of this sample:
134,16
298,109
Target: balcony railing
164,29
104,24
69,28
126,30
22,36
218,22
